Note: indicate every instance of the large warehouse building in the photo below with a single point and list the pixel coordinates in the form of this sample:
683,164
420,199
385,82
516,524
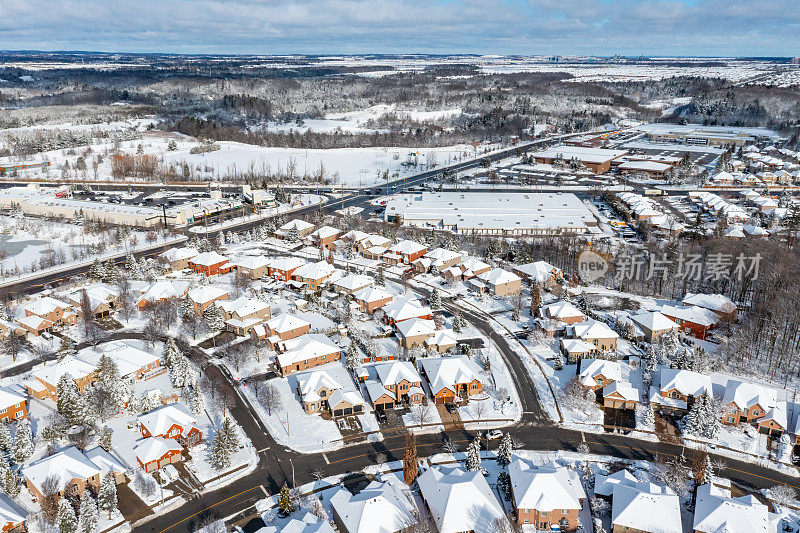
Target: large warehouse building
506,214
598,160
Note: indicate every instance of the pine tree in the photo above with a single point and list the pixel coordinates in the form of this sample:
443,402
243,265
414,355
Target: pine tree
380,278
708,470
504,451
181,373
186,308
105,438
11,483
536,298
458,322
23,442
196,402
352,361
96,272
66,520
220,454
5,438
88,519
109,380
110,272
285,503
130,262
228,432
435,301
474,455
702,420
107,495
171,353
213,319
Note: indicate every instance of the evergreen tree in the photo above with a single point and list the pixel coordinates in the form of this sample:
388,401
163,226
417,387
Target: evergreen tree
105,438
214,319
181,373
352,362
23,442
702,419
11,483
66,520
130,262
110,272
285,503
504,451
5,438
380,278
220,454
228,432
186,308
96,272
708,470
88,518
109,380
196,403
458,322
107,495
474,455
171,353
435,301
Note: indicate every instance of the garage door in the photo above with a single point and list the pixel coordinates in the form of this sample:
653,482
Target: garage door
163,462
176,458
337,412
348,410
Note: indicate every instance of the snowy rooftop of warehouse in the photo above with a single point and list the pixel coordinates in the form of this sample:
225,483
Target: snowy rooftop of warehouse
581,153
508,210
701,129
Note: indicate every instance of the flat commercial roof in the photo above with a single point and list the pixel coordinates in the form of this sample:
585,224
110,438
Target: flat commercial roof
581,153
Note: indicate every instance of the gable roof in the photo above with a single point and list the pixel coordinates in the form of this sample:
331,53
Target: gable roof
381,507
286,263
153,448
716,511
307,524
375,390
540,271
340,395
498,276
604,484
624,390
745,395
45,305
306,347
179,254
715,302
459,500
10,512
396,371
310,382
591,368
544,488
687,382
560,310
691,313
286,322
654,321
404,308
66,465
371,294
314,271
159,420
594,329
444,372
354,281
251,262
206,293
76,368
646,507
416,326
208,259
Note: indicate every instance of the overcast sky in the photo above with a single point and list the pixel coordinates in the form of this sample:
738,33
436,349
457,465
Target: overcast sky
600,27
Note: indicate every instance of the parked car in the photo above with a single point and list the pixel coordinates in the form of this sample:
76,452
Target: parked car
494,434
169,474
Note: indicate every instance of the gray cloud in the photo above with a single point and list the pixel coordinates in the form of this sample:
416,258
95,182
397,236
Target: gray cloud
655,27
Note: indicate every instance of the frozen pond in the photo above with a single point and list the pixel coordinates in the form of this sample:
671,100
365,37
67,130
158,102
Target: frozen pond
12,246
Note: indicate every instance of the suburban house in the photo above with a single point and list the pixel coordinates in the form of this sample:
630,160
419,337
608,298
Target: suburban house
312,275
352,283
402,380
405,308
254,266
353,237
501,282
442,258
451,377
545,496
372,298
597,333
620,395
775,421
210,264
154,453
282,268
716,510
604,483
12,516
161,291
471,267
403,252
562,311
653,324
746,402
381,397
414,332
34,325
73,471
441,341
284,327
345,403
324,236
718,303
597,373
374,242
178,258
48,376
380,507
133,364
679,388
102,299
576,349
307,524
459,500
202,297
171,421
54,311
294,229
542,272
645,508
691,319
12,406
315,388
243,314
307,351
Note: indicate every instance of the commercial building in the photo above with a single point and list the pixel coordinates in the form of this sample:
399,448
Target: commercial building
698,135
597,160
506,215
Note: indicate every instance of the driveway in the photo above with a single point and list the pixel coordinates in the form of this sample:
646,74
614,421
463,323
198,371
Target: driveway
131,506
667,429
451,421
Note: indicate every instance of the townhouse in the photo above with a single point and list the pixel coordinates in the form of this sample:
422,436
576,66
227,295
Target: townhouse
545,497
13,406
451,377
372,298
307,351
313,275
202,297
171,421
210,264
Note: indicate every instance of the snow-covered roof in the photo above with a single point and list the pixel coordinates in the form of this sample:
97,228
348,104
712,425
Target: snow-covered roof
654,321
498,276
375,241
209,259
286,322
45,305
306,347
415,326
715,302
353,282
745,395
405,308
243,306
355,235
442,337
310,382
591,368
371,294
576,346
286,263
604,485
407,247
340,395
10,512
70,365
307,524
128,358
716,511
206,293
381,507
594,329
104,461
297,224
9,398
375,390
444,372
179,254
545,488
395,372
33,321
646,507
161,419
777,414
64,466
691,313
540,271
474,264
439,256
153,448
325,232
459,500
162,290
560,310
314,271
687,382
626,390
252,262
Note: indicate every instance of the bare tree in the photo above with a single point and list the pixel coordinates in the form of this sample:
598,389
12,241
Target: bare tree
479,408
51,488
125,300
270,398
421,413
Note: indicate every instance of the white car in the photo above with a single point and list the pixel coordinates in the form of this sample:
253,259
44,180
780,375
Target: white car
169,474
494,434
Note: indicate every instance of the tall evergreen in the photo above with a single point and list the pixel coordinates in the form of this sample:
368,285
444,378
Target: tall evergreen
88,517
67,399
107,495
474,455
504,451
23,442
66,520
285,503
